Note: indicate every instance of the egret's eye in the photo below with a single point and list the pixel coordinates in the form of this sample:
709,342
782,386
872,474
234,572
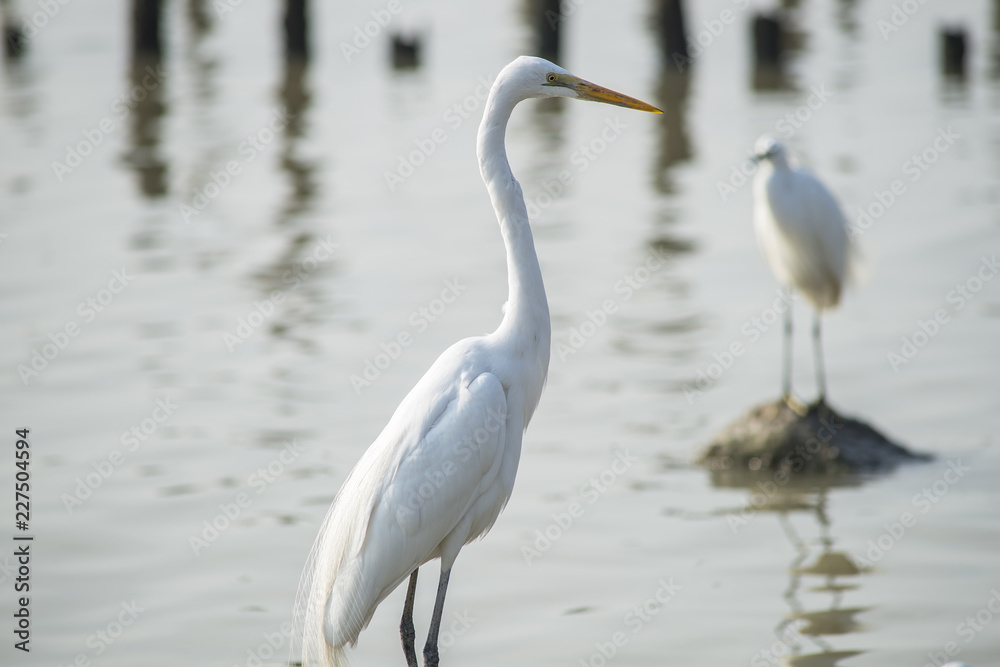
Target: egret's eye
551,78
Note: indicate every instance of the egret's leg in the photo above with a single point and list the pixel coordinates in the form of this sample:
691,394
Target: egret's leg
786,375
818,349
431,647
406,630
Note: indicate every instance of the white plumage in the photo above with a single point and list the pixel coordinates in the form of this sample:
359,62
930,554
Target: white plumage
443,467
803,234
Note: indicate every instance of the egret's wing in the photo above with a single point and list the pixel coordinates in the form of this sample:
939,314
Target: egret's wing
445,471
438,469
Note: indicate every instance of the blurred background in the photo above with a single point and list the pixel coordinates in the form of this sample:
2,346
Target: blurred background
233,234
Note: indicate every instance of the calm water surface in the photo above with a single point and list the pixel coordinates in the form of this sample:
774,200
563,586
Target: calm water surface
231,348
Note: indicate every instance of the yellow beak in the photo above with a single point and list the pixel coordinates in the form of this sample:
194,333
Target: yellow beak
594,93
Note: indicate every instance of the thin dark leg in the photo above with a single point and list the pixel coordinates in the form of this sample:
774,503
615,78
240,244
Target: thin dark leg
786,376
431,647
406,625
818,349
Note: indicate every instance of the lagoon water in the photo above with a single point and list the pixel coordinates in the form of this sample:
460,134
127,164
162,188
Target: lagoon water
211,380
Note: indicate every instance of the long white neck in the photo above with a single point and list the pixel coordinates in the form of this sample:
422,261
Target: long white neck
526,320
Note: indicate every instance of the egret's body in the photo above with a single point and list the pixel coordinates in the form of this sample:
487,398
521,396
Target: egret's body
443,468
803,234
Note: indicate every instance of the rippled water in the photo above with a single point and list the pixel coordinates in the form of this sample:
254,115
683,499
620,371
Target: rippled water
218,363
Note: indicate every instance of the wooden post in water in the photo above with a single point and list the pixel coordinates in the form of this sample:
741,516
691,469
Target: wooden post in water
146,42
296,30
13,35
13,40
769,52
406,51
768,41
549,22
953,52
673,34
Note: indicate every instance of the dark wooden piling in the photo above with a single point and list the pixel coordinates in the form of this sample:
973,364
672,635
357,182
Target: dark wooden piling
770,44
768,40
672,30
146,32
406,51
198,17
144,103
548,24
14,41
954,48
673,138
296,30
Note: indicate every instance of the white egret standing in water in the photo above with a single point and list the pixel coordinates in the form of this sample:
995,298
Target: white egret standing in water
803,234
443,468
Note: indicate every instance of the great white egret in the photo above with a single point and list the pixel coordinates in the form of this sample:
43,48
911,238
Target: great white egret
443,468
803,234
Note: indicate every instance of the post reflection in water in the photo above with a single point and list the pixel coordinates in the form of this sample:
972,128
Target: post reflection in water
673,140
800,637
307,251
144,102
203,64
296,98
847,18
994,38
777,39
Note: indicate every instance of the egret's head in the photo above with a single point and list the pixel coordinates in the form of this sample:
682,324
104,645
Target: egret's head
536,77
768,148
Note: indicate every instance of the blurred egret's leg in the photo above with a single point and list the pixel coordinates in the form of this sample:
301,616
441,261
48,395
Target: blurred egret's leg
786,375
818,349
431,647
406,626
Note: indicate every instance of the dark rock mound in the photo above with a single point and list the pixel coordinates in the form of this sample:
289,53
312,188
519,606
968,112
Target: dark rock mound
790,440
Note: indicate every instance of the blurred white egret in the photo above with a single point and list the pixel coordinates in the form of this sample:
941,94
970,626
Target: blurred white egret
803,234
443,468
